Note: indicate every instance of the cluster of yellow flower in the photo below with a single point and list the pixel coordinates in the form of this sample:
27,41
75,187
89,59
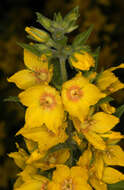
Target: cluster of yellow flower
46,120
70,144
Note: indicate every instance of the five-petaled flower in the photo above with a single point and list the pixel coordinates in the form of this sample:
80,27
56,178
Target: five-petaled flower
94,126
37,71
44,107
78,95
65,178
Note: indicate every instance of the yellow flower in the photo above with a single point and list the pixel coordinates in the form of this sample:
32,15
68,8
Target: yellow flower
94,126
113,155
37,71
108,82
84,61
78,95
45,138
19,157
39,160
65,178
94,164
35,183
44,107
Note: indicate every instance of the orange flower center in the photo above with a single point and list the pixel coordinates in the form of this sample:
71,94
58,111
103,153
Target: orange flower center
41,75
87,124
47,101
74,93
110,88
44,186
67,184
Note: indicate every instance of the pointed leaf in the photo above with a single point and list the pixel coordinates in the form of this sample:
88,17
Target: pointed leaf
104,100
44,21
58,17
82,37
72,15
12,99
119,111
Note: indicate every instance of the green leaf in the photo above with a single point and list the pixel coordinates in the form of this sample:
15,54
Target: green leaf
71,27
58,18
119,111
44,49
104,100
82,37
70,20
72,15
12,99
44,21
116,186
32,48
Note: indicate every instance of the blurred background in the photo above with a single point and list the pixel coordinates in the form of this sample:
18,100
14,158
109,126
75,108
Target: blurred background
107,17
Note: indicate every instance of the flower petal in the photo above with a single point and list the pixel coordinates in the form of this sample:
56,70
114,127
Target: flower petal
31,184
114,155
112,175
31,95
106,79
103,122
99,165
23,79
79,172
34,62
85,158
97,184
95,140
62,172
33,116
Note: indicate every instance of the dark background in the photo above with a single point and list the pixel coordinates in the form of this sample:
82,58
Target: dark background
107,17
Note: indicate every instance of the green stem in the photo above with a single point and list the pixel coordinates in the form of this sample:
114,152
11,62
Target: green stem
63,69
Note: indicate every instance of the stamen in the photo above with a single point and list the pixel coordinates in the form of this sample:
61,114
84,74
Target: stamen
47,101
41,75
67,184
74,93
44,186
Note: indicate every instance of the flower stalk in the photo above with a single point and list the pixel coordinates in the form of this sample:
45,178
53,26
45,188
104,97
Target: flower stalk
63,69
